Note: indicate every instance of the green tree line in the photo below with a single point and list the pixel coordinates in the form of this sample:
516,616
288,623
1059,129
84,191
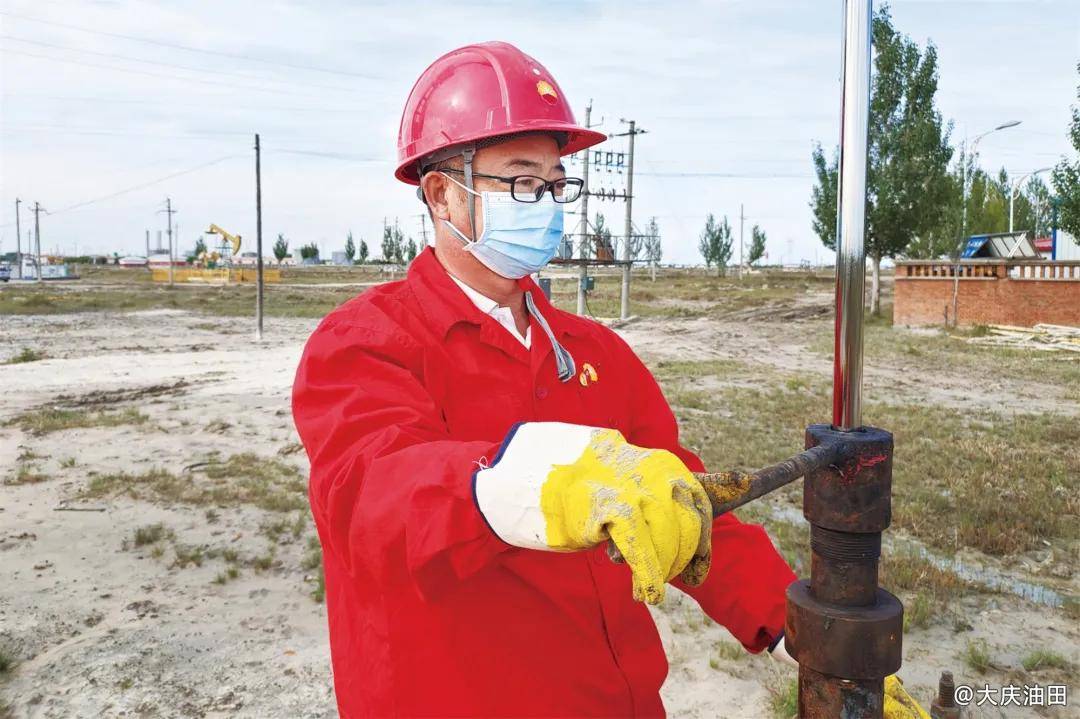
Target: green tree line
915,178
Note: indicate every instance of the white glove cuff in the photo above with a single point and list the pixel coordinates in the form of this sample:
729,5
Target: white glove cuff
780,653
508,492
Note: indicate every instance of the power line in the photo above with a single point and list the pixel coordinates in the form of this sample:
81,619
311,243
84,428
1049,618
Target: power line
81,63
63,130
141,186
734,175
142,101
330,155
129,58
186,48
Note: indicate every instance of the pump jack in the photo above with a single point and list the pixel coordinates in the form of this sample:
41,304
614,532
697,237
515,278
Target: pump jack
233,240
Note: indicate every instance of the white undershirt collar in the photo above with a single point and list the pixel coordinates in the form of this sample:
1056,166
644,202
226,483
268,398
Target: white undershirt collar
493,309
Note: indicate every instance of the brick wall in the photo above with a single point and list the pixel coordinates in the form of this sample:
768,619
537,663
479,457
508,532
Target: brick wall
1022,293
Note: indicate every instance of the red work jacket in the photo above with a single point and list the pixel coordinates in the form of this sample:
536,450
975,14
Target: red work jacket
401,394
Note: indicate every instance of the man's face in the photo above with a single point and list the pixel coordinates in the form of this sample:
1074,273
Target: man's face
536,155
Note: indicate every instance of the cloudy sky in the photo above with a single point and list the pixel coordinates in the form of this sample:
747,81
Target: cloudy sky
101,97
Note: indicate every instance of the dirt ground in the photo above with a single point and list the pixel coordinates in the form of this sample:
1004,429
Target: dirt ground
100,624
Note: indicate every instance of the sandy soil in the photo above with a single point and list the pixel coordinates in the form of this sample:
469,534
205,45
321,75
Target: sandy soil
103,629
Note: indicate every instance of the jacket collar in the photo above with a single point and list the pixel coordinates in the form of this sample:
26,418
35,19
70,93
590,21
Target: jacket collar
445,305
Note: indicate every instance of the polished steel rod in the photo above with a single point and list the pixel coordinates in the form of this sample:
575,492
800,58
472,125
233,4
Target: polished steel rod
851,216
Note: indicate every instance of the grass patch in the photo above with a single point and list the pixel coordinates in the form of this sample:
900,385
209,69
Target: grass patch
918,612
26,355
263,562
242,479
948,352
977,656
227,575
7,661
1045,659
51,419
960,477
784,699
186,556
692,293
221,300
318,594
150,534
26,474
67,463
730,651
313,562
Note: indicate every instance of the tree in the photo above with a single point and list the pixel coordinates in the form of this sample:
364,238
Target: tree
309,251
757,245
200,247
716,244
350,248
1066,178
363,252
410,249
399,243
654,251
281,248
908,154
389,244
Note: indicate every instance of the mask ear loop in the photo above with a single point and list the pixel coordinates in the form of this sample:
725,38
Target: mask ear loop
468,154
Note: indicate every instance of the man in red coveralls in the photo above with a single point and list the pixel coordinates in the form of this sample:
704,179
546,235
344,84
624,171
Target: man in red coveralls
473,448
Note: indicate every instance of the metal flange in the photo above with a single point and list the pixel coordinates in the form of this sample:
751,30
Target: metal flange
860,642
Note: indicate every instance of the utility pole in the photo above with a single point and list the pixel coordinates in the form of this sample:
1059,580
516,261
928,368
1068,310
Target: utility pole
37,238
742,220
169,212
423,227
148,246
624,300
18,238
583,270
258,245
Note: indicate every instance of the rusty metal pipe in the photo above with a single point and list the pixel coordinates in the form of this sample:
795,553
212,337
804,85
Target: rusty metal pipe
731,490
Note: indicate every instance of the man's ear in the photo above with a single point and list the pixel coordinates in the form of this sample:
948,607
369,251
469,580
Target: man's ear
434,186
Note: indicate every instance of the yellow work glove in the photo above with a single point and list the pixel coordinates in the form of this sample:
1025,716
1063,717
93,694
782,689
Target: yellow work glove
564,487
898,703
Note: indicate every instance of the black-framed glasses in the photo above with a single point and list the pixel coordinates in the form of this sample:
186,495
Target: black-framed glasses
530,188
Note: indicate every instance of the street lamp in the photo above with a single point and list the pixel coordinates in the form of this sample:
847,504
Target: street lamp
974,147
1012,192
963,201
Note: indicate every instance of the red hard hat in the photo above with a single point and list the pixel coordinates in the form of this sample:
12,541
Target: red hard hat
479,92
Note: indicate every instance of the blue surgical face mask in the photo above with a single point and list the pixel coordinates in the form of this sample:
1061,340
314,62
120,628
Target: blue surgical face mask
519,238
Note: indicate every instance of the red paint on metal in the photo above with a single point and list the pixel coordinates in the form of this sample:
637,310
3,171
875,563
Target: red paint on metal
860,463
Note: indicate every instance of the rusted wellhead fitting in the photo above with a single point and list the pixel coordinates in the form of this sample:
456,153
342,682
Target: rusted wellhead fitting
944,704
843,629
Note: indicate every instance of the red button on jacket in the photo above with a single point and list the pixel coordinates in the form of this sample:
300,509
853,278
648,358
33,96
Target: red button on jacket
401,394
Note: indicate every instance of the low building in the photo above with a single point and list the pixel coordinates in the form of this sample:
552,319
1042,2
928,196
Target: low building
982,291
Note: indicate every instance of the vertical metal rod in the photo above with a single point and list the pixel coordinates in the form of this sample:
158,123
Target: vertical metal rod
37,238
624,299
583,271
851,216
18,239
258,245
742,222
172,257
